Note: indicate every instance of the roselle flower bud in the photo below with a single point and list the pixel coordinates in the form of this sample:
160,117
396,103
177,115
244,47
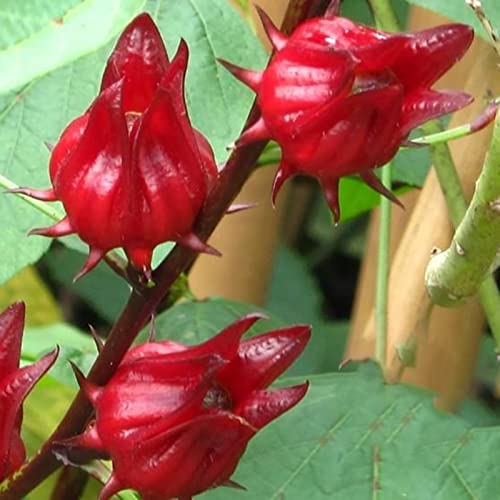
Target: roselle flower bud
340,98
175,420
15,384
131,172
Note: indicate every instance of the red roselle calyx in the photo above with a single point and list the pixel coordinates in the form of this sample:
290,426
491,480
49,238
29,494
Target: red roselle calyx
340,98
175,420
131,172
15,384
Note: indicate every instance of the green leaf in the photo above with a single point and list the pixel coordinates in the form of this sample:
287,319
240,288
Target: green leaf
411,166
359,11
104,291
355,198
460,12
294,297
41,306
38,37
74,345
39,110
43,410
355,437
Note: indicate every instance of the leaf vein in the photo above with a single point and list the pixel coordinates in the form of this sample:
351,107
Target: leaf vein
326,437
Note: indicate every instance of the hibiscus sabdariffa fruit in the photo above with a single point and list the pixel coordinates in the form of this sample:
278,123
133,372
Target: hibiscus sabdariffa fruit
340,98
175,420
15,384
131,172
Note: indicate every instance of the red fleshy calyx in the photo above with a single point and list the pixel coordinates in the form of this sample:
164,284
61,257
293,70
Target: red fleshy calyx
340,98
131,172
15,384
175,420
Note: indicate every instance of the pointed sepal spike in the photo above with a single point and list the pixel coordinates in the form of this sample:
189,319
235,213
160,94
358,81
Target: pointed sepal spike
192,241
99,343
88,439
262,359
140,56
424,105
240,207
61,228
111,487
277,38
256,132
376,184
17,384
262,407
49,146
226,343
11,332
141,259
233,484
333,9
331,190
250,78
152,328
283,173
91,391
94,257
440,47
37,194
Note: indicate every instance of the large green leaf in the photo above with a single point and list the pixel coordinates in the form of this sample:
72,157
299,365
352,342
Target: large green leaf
73,345
104,291
39,36
39,110
354,437
458,10
294,297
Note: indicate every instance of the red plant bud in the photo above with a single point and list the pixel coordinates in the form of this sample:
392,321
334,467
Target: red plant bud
340,98
15,384
131,172
175,420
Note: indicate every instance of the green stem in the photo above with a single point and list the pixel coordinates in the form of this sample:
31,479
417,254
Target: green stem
385,18
447,176
382,280
459,272
477,244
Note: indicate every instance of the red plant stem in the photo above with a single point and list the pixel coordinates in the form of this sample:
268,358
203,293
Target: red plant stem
70,484
141,305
